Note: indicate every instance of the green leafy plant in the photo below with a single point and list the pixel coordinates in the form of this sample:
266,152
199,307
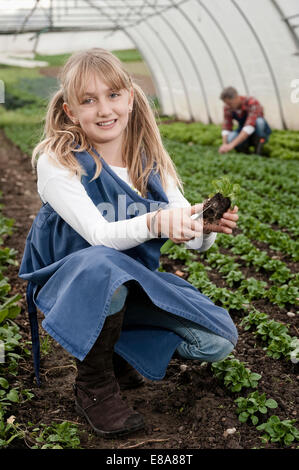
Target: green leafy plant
6,225
282,295
276,430
276,334
253,318
271,329
280,343
13,395
7,256
6,395
282,346
178,251
56,436
166,247
233,277
224,186
253,404
234,374
253,287
9,309
11,339
45,345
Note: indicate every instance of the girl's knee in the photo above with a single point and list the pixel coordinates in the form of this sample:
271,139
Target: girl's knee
118,299
223,347
214,349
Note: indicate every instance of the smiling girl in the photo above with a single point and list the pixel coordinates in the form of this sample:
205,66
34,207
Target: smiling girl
111,198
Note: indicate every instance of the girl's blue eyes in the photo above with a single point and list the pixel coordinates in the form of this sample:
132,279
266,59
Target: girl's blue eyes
112,95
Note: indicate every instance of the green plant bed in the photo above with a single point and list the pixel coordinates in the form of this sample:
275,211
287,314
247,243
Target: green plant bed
282,144
128,55
53,60
25,104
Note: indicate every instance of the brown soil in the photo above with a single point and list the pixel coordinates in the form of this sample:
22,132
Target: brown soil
215,207
189,409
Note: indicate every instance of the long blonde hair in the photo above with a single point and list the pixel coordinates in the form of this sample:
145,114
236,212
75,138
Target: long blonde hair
142,136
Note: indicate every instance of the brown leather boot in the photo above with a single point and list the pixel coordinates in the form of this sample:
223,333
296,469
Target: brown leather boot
96,389
126,375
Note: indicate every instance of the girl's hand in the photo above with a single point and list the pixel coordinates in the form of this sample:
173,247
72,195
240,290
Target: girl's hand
176,223
226,224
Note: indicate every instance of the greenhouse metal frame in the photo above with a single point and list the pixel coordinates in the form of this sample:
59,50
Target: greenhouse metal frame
193,48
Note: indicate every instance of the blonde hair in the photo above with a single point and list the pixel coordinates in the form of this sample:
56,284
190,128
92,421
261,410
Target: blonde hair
142,136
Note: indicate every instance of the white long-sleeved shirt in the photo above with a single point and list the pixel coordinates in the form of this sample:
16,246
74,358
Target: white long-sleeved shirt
67,196
248,129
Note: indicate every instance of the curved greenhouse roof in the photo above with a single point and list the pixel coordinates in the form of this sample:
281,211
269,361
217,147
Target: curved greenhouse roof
194,48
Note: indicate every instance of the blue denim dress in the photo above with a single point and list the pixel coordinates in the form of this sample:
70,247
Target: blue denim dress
72,282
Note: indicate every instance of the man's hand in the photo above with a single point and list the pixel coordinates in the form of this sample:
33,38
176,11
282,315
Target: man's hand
238,140
225,148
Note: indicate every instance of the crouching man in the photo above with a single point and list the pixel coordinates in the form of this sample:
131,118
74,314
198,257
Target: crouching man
253,129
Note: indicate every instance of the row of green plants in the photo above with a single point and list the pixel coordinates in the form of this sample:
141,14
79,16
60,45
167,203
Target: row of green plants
282,144
251,211
257,213
234,373
276,240
281,295
279,175
22,113
241,246
58,60
10,340
13,350
277,192
235,376
284,344
287,196
272,191
275,334
198,173
268,212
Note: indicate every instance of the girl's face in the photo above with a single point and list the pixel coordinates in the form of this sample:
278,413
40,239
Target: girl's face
102,112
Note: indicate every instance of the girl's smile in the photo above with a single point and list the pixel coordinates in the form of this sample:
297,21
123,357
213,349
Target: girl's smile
107,124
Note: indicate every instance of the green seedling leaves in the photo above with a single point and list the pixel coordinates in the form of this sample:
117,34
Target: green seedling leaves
252,405
234,374
57,436
276,430
224,186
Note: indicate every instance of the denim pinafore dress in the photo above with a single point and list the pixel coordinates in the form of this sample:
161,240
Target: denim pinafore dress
72,282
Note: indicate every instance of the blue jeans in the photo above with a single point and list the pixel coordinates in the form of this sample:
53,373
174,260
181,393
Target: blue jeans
197,342
262,130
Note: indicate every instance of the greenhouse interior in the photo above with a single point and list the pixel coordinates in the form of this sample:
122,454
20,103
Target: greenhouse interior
180,333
